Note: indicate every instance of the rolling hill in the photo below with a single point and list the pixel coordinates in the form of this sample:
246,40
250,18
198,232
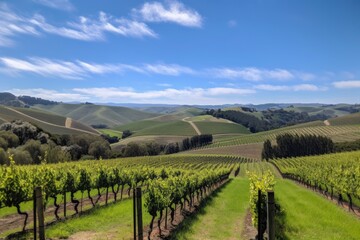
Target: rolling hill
91,114
49,122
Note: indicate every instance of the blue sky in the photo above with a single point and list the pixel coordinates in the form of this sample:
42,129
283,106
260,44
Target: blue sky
182,52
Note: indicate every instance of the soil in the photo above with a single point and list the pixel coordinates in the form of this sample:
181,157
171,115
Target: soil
249,232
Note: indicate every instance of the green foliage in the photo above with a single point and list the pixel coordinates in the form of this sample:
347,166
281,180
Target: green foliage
100,149
288,145
264,183
126,133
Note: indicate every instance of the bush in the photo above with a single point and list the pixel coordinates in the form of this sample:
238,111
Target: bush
4,159
126,133
100,149
34,149
11,138
21,157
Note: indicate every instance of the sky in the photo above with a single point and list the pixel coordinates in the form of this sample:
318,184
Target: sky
181,52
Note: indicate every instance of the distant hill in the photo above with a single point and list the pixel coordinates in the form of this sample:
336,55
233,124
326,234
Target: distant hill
92,114
11,100
51,123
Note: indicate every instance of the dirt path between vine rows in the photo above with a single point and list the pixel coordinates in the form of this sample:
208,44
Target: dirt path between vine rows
197,130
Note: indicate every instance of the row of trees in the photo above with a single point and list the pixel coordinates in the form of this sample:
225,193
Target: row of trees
288,145
31,145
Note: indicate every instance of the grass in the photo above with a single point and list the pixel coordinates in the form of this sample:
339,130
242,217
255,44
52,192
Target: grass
96,114
10,115
309,216
137,126
177,128
351,119
112,222
165,139
221,217
111,133
220,127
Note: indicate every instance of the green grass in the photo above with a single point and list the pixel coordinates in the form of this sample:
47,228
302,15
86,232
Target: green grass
44,116
10,115
137,126
309,216
111,133
160,139
112,222
179,128
96,114
222,216
351,119
220,128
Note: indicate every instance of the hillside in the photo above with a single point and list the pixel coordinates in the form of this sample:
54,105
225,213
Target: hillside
91,114
49,122
351,119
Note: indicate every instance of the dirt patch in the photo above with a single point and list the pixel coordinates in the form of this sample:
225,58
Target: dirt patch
192,125
249,232
68,123
327,123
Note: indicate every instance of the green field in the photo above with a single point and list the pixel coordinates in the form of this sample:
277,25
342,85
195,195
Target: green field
352,119
220,128
110,132
179,128
10,114
96,114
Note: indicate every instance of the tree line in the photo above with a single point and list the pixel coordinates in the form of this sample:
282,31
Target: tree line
288,145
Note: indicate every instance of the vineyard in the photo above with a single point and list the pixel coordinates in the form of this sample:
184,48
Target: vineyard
168,181
334,174
336,133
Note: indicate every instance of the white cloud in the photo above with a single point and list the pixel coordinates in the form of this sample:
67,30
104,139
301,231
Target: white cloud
94,29
64,5
49,94
169,95
80,69
252,73
347,84
85,29
12,24
164,84
300,87
168,69
172,11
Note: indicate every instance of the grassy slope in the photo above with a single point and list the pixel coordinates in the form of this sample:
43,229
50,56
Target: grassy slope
310,216
112,222
178,128
110,132
220,128
9,115
161,139
96,114
222,217
352,119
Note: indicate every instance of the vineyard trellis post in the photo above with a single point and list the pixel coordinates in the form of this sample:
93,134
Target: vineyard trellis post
40,212
139,213
260,234
34,213
134,211
271,215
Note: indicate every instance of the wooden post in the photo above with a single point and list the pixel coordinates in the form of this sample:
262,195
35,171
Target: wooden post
260,235
139,213
34,213
134,212
40,212
271,215
166,213
65,205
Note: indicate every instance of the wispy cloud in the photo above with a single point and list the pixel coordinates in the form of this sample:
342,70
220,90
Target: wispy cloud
64,5
12,24
88,29
80,69
347,84
168,69
300,87
172,11
252,73
189,95
50,94
85,28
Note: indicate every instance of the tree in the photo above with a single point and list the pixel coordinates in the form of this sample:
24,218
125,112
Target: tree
34,149
267,151
126,133
100,149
